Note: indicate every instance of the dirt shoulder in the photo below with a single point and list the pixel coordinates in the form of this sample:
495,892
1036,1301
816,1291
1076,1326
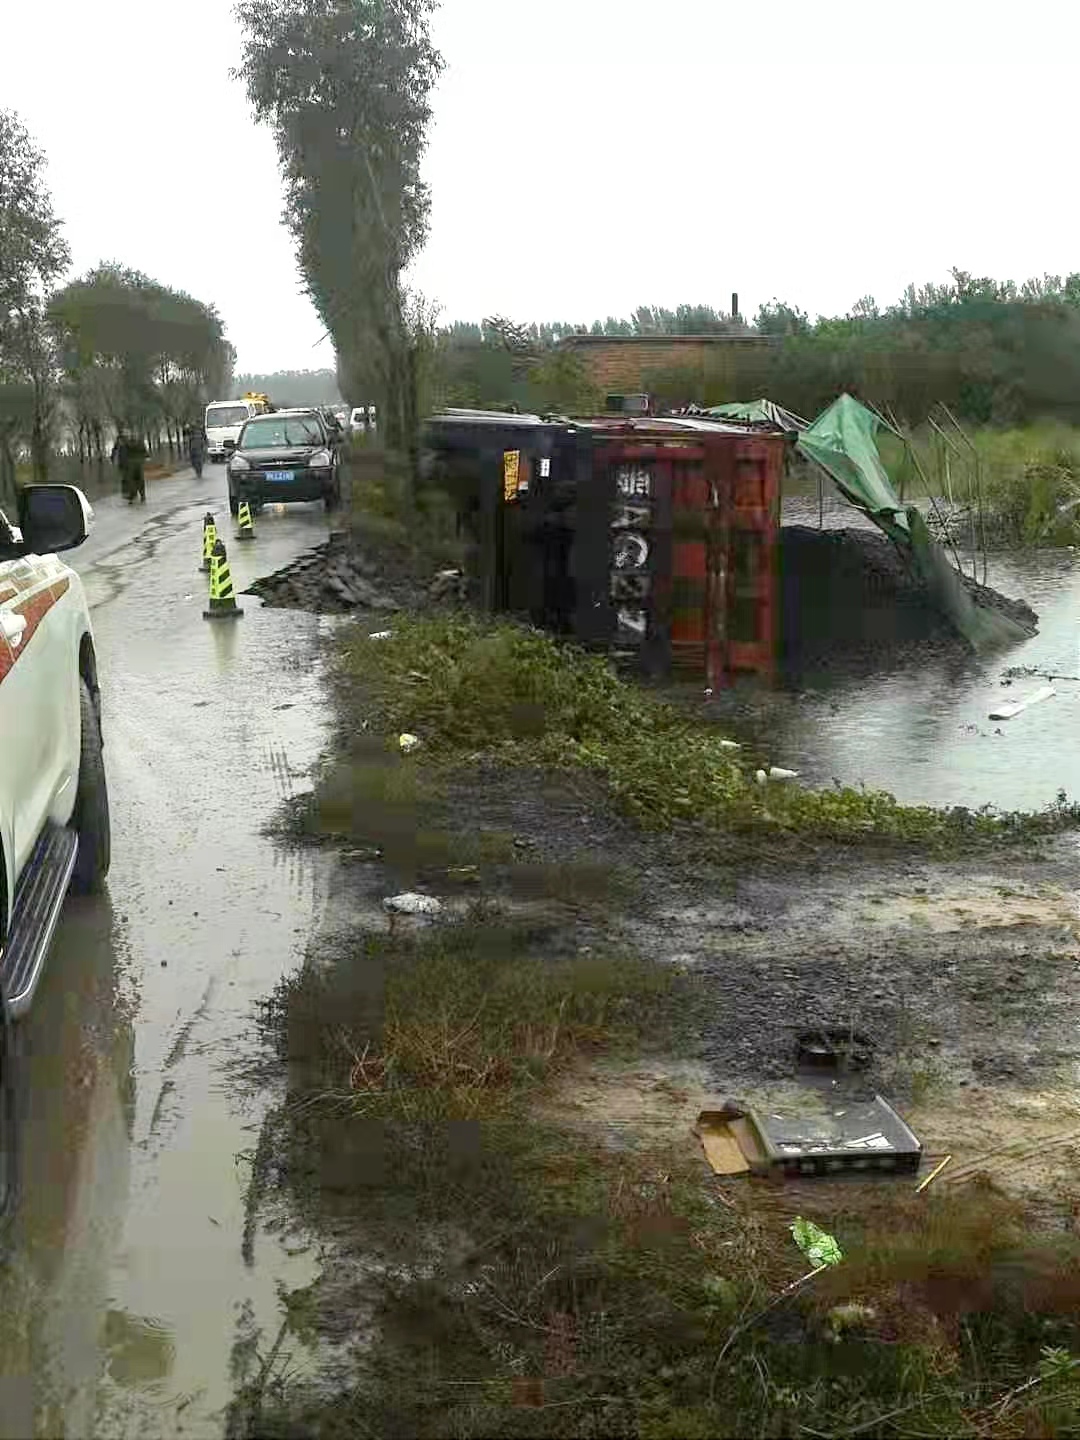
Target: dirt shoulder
490,1121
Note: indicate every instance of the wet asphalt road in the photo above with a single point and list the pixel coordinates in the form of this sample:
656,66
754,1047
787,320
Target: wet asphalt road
120,1300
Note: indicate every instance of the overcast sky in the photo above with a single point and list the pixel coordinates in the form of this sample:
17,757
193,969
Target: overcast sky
588,156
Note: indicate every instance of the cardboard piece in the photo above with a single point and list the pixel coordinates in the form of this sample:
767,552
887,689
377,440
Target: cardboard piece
729,1141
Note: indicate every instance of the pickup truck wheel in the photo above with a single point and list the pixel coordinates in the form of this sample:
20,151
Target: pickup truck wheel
91,816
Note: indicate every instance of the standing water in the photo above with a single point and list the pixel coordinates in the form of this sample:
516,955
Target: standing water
920,728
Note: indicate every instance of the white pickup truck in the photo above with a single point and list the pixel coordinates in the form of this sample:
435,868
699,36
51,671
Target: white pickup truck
54,805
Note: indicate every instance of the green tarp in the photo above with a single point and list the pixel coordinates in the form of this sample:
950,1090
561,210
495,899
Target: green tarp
759,412
842,441
982,627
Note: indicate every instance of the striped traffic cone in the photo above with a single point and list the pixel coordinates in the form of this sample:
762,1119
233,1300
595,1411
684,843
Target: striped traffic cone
222,604
243,519
209,538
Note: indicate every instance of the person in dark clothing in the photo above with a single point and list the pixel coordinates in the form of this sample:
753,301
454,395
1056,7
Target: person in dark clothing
129,453
197,448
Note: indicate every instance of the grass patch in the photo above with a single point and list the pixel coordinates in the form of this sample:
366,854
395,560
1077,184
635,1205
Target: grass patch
520,1282
474,688
412,527
1030,478
462,1023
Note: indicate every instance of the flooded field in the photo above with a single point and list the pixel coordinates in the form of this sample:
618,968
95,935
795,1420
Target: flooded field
921,728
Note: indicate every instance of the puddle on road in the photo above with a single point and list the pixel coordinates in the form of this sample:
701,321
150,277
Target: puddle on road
120,1306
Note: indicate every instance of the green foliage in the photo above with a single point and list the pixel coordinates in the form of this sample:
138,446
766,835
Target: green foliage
995,352
136,352
33,253
468,686
1028,476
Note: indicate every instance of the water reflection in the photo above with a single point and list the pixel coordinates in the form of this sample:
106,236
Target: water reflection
76,1096
922,729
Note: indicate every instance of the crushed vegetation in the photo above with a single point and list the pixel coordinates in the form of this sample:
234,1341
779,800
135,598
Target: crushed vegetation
470,687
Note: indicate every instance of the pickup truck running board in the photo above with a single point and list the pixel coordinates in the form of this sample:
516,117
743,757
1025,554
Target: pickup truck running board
39,899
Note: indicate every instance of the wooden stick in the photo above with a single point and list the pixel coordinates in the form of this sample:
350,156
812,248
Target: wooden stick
933,1175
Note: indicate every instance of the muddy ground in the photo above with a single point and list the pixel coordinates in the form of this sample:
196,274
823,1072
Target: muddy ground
963,973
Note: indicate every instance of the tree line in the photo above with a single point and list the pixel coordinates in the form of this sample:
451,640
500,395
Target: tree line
996,352
80,360
291,387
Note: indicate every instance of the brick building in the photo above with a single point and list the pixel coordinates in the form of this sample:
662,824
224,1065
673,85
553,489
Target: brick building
622,364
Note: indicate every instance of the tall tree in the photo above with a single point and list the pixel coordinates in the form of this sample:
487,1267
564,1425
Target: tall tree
33,254
346,84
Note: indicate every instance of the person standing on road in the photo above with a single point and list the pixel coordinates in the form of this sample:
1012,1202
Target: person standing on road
197,448
129,452
119,452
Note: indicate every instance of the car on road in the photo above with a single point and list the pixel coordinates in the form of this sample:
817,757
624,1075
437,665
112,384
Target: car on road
54,803
224,420
287,456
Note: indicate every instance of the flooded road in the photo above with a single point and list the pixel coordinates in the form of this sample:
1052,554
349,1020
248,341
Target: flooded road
921,730
120,1301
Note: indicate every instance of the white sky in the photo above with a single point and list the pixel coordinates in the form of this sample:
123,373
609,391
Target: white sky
588,155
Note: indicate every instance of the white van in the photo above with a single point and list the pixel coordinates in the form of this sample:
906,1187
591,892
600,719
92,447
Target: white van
224,421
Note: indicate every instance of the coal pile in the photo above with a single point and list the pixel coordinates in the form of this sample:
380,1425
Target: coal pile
333,579
847,599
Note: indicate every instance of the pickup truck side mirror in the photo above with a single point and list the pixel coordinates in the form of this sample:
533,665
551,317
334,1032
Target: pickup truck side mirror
53,517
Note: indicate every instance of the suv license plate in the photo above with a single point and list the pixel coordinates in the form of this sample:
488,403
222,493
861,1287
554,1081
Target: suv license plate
285,475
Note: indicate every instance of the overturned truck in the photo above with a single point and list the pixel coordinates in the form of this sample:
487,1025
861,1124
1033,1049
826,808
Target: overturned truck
660,537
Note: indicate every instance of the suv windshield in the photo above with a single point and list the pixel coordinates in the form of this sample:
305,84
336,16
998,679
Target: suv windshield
225,415
271,431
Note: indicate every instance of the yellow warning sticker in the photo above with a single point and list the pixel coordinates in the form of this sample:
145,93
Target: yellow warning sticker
511,466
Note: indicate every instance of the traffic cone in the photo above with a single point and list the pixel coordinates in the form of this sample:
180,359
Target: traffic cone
243,519
222,604
209,538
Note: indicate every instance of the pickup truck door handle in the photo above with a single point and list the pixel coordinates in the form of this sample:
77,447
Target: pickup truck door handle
12,626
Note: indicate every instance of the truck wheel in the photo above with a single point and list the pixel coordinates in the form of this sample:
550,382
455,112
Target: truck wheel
91,815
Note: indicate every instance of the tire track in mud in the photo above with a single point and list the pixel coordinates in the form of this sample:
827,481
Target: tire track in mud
176,1053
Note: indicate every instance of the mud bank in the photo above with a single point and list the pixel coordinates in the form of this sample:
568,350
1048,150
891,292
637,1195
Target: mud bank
847,599
334,579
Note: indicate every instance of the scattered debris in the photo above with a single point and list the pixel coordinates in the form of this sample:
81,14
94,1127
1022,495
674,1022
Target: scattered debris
839,1048
407,743
729,745
819,1247
412,903
778,772
933,1175
856,1136
381,635
1006,712
447,584
331,579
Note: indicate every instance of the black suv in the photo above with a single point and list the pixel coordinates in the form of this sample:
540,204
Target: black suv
290,455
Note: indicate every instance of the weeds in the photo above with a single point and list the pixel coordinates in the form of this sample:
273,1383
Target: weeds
500,690
462,1023
1030,478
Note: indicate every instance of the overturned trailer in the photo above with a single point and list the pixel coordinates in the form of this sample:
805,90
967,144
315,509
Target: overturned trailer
655,537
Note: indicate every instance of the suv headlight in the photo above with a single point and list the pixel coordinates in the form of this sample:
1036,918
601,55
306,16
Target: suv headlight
321,460
237,462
